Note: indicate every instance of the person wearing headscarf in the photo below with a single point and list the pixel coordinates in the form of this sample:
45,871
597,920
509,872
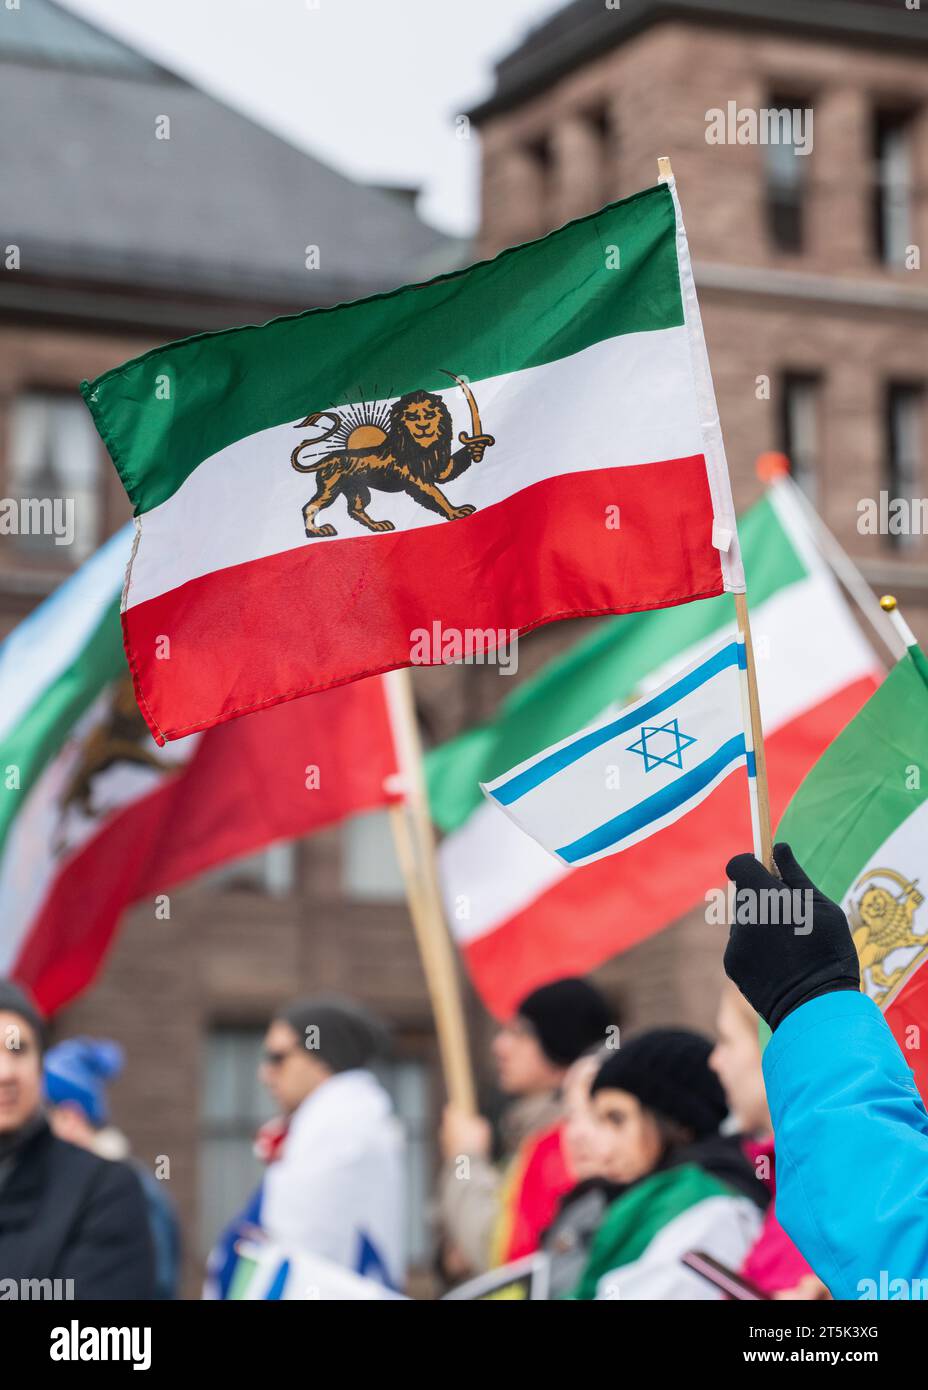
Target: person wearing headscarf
72,1224
492,1214
335,1181
684,1186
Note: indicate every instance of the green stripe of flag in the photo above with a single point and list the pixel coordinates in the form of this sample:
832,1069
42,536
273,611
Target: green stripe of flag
38,737
866,784
603,668
614,272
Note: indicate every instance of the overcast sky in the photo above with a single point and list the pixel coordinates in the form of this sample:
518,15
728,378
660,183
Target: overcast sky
371,86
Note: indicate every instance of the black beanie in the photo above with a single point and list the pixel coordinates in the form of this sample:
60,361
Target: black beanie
14,1000
569,1017
348,1035
667,1070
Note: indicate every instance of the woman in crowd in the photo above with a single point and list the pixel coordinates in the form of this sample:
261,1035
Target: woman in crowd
685,1186
570,1236
773,1264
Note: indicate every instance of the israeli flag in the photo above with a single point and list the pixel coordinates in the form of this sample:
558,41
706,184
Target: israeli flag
630,775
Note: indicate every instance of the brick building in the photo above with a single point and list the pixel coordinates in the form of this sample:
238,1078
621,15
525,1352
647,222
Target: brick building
808,265
816,328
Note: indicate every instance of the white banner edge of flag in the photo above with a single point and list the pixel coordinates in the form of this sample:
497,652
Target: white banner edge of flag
725,526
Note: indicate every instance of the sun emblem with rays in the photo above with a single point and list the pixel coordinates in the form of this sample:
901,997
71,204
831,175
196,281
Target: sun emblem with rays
402,445
361,426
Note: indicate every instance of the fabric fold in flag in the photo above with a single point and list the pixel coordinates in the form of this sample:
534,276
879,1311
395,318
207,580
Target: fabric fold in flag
606,788
529,439
102,818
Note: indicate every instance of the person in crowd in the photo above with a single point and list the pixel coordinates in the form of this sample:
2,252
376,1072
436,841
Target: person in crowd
65,1213
491,1215
568,1239
77,1072
851,1128
335,1182
773,1264
684,1186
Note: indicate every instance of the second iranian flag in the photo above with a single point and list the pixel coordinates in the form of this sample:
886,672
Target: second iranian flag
532,438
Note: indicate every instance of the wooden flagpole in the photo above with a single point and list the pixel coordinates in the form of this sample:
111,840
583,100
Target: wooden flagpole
754,731
760,812
415,848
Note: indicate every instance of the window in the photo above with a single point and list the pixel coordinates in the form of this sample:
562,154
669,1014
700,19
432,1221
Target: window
234,1104
536,193
799,427
892,206
271,871
55,476
904,402
601,126
370,870
789,131
541,152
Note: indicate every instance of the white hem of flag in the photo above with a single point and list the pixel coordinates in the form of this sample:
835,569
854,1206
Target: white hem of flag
713,446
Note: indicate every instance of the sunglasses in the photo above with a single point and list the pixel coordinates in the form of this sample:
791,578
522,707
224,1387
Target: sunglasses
276,1059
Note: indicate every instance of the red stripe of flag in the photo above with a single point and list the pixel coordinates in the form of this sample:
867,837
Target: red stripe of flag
253,635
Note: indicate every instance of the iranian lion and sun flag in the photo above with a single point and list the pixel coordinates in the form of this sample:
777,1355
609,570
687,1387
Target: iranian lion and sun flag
532,439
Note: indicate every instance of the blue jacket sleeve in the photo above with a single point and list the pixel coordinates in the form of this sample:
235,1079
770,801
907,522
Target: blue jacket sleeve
851,1138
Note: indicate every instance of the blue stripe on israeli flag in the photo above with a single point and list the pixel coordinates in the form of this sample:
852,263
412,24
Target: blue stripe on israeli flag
549,764
657,806
609,786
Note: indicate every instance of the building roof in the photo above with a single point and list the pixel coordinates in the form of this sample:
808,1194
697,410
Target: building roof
222,208
44,33
584,29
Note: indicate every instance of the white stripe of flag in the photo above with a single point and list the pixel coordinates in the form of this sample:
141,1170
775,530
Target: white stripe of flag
628,776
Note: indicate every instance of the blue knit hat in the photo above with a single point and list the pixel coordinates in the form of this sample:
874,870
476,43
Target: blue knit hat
77,1071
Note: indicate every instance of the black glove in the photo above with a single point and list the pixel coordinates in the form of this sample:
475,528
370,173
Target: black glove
772,955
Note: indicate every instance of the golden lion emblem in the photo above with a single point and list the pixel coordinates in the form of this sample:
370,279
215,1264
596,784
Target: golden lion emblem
121,736
406,448
882,921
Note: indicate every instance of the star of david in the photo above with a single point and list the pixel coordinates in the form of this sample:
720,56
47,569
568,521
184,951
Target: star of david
669,742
